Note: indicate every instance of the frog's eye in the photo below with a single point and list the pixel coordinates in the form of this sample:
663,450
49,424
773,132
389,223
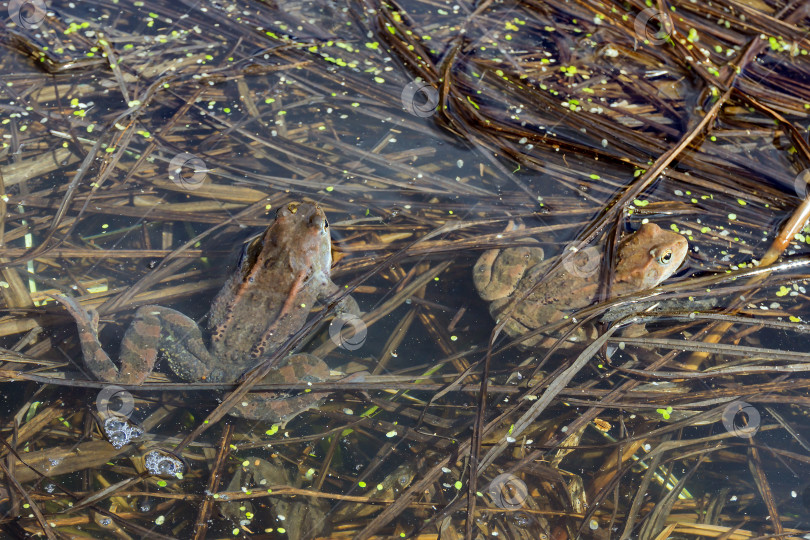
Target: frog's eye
665,257
319,221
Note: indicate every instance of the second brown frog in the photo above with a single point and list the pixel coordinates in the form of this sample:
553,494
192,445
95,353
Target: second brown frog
504,276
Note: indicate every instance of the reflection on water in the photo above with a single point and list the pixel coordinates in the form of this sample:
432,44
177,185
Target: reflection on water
148,145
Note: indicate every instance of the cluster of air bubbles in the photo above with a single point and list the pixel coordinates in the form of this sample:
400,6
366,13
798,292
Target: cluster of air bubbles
160,464
120,432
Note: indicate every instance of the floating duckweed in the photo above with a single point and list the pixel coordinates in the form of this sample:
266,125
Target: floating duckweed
782,291
640,203
458,485
732,217
664,412
594,177
674,228
741,202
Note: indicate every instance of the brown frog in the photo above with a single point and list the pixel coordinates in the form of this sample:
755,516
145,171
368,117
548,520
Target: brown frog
502,276
265,301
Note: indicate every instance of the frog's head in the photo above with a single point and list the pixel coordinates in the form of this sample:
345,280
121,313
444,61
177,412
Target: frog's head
303,227
649,256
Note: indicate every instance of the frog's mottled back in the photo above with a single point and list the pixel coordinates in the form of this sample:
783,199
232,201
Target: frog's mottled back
279,278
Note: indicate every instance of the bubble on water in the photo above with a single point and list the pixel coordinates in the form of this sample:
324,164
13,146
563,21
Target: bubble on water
118,439
414,105
27,13
585,263
160,464
741,419
114,401
522,520
508,491
359,331
120,431
646,21
190,163
145,504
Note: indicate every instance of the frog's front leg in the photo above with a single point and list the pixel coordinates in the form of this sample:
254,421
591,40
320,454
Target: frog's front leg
153,329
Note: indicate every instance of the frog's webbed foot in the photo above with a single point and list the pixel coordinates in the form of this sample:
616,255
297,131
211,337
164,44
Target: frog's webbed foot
281,407
153,328
157,328
96,360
